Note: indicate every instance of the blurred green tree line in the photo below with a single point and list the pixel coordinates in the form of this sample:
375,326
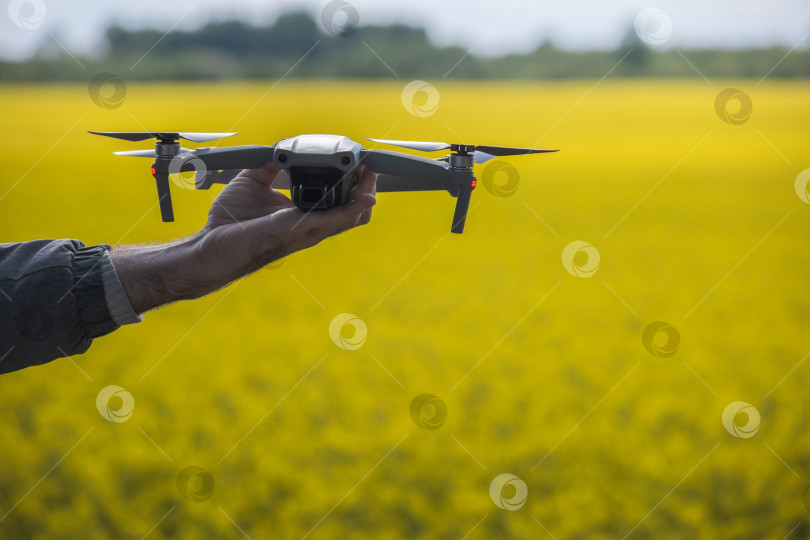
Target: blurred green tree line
238,50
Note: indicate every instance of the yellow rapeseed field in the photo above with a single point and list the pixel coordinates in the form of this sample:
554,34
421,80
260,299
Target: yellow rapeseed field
535,366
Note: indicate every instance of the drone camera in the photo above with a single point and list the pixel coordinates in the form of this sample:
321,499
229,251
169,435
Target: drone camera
317,187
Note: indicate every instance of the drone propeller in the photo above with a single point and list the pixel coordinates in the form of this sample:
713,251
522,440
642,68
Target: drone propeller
136,136
137,153
416,145
482,157
494,151
150,153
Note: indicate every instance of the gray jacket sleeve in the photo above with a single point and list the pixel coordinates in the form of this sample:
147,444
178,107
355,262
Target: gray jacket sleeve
56,296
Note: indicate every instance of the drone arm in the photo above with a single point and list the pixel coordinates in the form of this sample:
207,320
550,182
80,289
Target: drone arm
387,183
233,157
402,172
205,181
403,165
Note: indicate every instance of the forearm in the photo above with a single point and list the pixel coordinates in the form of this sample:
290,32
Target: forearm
56,296
155,275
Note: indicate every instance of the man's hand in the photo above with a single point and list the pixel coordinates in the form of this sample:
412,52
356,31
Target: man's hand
249,225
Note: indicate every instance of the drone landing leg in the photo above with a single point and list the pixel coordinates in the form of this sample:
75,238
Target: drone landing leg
164,197
462,206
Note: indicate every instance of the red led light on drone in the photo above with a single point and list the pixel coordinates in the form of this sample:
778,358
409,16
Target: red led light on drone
475,180
153,170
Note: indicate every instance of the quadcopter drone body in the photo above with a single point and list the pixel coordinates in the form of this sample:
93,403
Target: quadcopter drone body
320,167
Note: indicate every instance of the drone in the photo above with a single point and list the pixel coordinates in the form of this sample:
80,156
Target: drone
320,167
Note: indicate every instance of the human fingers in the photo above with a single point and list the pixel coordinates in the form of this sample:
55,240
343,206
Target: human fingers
367,183
265,175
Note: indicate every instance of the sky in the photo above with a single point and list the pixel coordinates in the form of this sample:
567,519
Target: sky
488,28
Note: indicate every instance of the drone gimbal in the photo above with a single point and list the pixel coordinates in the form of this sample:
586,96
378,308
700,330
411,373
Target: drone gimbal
320,167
